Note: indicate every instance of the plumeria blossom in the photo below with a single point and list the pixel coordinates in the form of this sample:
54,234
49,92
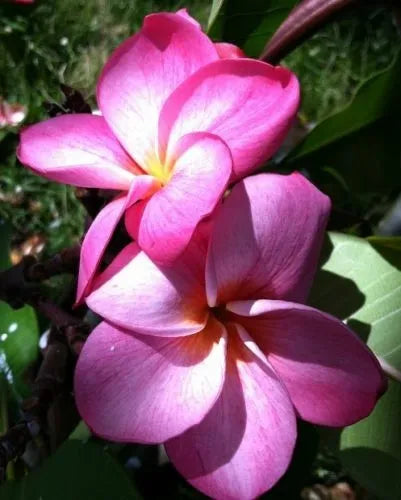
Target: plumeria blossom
181,118
11,115
216,356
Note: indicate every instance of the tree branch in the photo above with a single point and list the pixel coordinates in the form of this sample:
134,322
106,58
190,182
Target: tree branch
303,20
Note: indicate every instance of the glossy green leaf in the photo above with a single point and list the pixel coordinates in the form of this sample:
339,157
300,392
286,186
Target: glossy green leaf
360,282
76,471
214,12
250,25
367,162
376,98
362,285
371,449
19,333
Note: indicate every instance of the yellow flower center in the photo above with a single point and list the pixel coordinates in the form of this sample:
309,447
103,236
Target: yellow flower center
159,170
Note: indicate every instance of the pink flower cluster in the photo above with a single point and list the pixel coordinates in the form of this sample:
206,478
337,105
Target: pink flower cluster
206,344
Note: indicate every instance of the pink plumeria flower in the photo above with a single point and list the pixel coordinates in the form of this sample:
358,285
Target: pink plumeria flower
217,355
11,115
178,123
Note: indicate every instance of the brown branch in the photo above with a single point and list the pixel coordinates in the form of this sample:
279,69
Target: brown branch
66,261
48,385
303,20
12,445
19,283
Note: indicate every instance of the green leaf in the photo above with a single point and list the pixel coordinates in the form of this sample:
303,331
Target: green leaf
362,285
214,11
76,471
19,333
371,449
360,282
250,25
376,98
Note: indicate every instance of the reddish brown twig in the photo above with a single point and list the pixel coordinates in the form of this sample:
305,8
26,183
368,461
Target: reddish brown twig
48,385
66,261
302,21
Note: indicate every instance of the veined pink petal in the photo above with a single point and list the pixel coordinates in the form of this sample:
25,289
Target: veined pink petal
143,72
248,103
164,224
332,377
77,149
102,228
229,51
136,294
130,387
276,225
245,443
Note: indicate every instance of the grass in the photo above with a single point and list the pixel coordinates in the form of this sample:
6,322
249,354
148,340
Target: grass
55,42
68,41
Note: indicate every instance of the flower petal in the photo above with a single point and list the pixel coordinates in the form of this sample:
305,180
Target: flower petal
229,51
332,377
77,149
276,225
245,443
164,224
184,13
136,294
143,72
101,230
145,389
248,103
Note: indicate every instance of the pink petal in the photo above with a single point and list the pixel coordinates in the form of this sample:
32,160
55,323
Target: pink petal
101,230
245,443
229,51
276,225
164,224
184,13
332,377
136,294
248,103
77,149
145,389
143,72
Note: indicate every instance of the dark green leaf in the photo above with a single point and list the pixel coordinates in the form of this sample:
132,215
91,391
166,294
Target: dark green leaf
376,98
248,24
76,471
362,286
371,449
368,164
19,333
360,282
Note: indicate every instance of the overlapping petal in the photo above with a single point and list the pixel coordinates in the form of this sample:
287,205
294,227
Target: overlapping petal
245,443
77,149
229,51
247,103
143,72
146,389
136,294
266,240
101,230
332,377
164,224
